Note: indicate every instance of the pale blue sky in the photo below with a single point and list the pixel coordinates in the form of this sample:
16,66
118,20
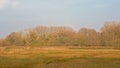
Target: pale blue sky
16,15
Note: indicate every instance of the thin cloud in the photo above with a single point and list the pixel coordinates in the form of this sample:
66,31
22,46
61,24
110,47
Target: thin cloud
8,3
3,3
15,4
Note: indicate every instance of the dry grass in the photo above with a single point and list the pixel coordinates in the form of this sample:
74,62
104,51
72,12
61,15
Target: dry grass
57,52
43,55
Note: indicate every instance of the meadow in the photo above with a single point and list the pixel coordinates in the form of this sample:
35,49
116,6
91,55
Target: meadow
58,57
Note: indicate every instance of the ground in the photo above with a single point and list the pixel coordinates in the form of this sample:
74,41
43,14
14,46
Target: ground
58,57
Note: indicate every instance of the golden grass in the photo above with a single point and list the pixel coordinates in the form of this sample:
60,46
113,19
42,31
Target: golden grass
54,57
54,51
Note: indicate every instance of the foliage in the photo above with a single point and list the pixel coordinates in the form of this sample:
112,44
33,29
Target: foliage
41,35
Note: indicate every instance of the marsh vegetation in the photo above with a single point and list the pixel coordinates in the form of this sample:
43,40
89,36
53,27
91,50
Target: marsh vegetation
58,57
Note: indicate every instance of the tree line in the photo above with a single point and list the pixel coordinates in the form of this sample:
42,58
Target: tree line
109,35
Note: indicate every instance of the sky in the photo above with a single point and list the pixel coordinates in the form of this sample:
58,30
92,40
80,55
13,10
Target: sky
18,15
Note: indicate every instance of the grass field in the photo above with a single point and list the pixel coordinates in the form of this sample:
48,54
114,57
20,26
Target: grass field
58,57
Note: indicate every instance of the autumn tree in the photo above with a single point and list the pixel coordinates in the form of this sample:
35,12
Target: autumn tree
111,34
88,36
42,35
1,42
15,38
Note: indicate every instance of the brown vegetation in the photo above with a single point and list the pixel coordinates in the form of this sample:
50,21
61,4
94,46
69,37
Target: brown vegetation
41,35
58,57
